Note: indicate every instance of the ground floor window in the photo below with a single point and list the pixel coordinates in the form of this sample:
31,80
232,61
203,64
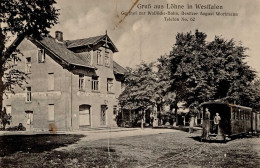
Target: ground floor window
29,117
103,114
115,111
84,115
51,112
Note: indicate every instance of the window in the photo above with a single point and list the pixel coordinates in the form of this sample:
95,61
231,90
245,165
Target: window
14,58
99,57
95,83
109,85
28,65
28,94
41,56
81,82
50,81
8,110
84,115
107,61
51,112
242,115
115,110
246,115
237,115
29,117
103,114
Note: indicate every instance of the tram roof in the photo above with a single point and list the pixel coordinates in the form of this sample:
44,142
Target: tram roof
223,103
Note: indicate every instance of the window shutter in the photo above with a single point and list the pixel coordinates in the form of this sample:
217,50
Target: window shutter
51,81
51,115
39,56
43,55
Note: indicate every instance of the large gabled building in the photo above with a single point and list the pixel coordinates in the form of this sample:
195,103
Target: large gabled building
72,84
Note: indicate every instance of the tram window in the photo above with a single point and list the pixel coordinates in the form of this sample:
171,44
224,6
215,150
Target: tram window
242,115
234,115
248,115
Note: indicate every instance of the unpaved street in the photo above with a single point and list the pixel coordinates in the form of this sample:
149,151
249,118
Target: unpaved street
134,148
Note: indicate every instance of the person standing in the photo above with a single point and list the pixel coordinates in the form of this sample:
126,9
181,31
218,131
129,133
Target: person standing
206,124
216,123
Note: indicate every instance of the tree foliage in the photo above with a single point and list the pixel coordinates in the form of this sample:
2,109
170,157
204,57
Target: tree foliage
147,86
20,19
139,93
163,87
203,71
5,118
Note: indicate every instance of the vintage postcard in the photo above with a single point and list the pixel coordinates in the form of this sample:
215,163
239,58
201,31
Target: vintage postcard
130,83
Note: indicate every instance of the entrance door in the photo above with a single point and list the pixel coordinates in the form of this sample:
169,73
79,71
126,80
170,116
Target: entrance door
29,120
103,114
84,115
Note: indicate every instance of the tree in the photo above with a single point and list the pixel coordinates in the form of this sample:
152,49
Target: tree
203,71
5,118
187,68
163,87
139,93
252,95
20,19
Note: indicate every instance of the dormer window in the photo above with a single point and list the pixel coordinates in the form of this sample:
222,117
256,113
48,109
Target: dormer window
99,57
14,58
107,59
41,56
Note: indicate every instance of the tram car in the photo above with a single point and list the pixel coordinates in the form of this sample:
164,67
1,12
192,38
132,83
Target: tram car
256,122
232,120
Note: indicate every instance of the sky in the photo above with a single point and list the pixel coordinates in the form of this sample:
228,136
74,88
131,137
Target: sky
145,37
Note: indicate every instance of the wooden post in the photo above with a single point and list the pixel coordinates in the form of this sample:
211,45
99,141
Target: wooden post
142,120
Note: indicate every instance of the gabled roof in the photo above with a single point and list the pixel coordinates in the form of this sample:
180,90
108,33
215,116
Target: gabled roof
90,41
118,69
83,42
60,50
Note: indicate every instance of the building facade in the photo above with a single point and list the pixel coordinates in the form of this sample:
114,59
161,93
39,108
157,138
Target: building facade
71,85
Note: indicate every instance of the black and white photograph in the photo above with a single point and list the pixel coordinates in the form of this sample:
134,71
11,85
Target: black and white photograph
129,83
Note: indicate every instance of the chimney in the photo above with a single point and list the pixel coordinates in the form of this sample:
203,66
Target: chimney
59,36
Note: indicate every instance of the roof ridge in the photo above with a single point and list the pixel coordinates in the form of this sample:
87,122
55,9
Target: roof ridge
86,38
